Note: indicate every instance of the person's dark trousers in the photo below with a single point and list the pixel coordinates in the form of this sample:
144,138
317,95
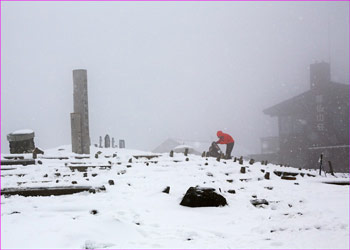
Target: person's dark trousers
229,148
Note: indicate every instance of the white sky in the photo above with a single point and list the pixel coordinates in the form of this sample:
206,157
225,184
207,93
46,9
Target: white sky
163,69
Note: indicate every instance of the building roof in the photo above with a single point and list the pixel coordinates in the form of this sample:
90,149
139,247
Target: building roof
300,102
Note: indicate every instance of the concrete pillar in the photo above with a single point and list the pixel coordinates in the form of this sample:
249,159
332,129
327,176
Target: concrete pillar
80,116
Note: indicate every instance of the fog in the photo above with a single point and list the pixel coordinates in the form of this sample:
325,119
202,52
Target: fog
159,70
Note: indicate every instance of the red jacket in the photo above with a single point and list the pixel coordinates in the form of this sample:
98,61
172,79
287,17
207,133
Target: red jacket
224,138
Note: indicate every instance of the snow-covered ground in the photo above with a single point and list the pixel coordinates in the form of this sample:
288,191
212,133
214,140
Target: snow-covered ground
135,213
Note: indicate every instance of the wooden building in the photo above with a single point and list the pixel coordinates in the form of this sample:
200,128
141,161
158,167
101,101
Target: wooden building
314,122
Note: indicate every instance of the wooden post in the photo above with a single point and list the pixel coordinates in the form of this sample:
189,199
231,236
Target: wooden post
331,168
186,151
320,161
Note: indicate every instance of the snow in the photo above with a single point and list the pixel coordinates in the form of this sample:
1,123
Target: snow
135,213
23,131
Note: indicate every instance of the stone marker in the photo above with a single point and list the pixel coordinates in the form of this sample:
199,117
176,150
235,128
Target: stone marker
107,141
121,143
21,141
100,142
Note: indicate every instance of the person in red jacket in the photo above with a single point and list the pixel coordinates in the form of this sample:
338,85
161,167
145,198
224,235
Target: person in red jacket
228,140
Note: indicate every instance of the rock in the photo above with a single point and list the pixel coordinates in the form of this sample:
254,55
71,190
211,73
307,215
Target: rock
278,173
187,159
122,172
166,190
111,182
251,162
85,175
46,175
230,181
259,202
171,153
262,170
210,174
269,188
74,182
267,176
130,160
203,154
128,166
202,197
93,175
231,191
242,170
94,211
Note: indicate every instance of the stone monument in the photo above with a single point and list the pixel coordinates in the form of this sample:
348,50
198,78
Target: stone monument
121,143
21,141
80,116
107,141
